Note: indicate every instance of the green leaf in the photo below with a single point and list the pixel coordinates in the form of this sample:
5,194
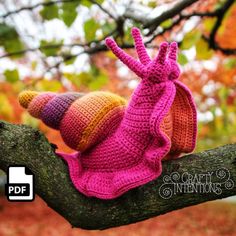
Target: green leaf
85,78
94,71
94,79
230,63
90,28
27,119
166,23
190,39
110,55
203,51
152,4
9,39
33,65
98,78
18,86
127,36
223,93
70,61
49,12
74,78
98,82
209,23
107,27
219,4
182,59
7,32
88,3
69,12
12,76
48,85
50,51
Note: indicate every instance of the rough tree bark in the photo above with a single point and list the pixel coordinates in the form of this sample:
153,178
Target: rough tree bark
23,145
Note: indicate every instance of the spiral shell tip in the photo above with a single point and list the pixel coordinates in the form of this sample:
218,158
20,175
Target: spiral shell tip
26,97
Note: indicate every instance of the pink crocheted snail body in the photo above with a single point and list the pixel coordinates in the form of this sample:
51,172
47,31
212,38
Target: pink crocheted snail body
120,146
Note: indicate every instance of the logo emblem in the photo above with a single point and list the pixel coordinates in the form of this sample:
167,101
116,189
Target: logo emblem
20,184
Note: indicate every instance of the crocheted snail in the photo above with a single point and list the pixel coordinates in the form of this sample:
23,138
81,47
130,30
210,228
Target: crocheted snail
120,145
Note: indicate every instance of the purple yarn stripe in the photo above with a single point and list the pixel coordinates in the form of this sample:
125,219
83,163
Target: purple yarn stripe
55,109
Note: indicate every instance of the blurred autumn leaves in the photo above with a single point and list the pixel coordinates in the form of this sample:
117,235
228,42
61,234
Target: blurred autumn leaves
9,39
209,74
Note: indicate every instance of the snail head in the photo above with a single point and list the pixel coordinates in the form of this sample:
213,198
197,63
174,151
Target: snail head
163,67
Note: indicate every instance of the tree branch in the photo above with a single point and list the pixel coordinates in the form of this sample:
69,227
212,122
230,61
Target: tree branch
176,22
220,13
30,8
174,11
22,145
49,46
220,16
103,9
49,3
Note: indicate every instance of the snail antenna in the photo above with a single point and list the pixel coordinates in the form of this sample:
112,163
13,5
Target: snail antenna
134,65
140,47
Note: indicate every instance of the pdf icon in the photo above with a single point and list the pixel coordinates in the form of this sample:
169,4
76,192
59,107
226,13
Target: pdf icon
20,184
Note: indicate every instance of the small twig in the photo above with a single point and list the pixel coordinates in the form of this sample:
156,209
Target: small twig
89,50
49,46
94,50
103,9
30,8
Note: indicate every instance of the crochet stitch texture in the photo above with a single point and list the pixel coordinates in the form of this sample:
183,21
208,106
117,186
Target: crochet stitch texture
120,146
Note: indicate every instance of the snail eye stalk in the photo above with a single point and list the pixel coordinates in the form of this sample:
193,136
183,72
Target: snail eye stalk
134,65
173,52
140,47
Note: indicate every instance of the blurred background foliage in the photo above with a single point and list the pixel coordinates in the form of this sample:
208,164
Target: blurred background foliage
45,46
59,46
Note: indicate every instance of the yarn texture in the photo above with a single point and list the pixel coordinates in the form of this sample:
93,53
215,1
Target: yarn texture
120,145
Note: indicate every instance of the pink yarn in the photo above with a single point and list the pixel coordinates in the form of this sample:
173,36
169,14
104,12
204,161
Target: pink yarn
132,154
